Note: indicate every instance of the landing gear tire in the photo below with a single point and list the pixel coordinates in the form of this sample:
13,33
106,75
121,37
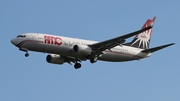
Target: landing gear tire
93,59
27,54
77,65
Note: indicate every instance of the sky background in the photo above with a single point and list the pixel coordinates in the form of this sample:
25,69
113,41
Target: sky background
156,78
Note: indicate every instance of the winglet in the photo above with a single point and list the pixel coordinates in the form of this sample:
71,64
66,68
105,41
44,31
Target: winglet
151,50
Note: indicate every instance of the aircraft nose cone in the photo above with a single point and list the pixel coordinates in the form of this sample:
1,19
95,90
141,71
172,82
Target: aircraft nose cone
13,41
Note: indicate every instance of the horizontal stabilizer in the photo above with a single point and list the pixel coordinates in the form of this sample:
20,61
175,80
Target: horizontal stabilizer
151,50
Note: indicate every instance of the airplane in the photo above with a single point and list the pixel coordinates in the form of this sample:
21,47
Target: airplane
73,50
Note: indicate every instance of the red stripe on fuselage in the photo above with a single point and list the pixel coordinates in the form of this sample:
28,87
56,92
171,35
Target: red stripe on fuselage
26,41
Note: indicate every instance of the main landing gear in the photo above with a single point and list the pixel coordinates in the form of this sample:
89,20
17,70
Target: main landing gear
93,59
77,65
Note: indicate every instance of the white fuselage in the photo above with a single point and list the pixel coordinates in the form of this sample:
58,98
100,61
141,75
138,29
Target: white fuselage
64,46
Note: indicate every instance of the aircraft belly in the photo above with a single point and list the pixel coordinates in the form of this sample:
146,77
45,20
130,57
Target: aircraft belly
112,57
30,46
67,51
57,50
54,49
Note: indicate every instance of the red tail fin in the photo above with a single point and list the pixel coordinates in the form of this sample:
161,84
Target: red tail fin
148,22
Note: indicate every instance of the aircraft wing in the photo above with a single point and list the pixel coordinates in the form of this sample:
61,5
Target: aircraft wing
108,44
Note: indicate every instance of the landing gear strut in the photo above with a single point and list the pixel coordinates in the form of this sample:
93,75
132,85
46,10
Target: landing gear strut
77,65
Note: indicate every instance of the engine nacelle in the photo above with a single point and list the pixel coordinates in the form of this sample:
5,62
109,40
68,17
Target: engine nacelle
55,59
82,49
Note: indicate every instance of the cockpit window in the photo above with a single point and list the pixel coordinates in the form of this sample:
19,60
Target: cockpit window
21,36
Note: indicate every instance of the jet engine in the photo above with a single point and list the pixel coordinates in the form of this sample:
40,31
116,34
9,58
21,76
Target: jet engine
82,49
55,59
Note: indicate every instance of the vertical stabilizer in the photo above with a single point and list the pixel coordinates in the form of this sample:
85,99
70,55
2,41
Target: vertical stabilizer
142,40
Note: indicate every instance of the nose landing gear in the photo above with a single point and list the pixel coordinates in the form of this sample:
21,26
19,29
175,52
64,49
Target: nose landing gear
27,54
24,50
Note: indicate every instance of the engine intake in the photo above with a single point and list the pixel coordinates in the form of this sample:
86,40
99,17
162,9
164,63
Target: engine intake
82,49
55,59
